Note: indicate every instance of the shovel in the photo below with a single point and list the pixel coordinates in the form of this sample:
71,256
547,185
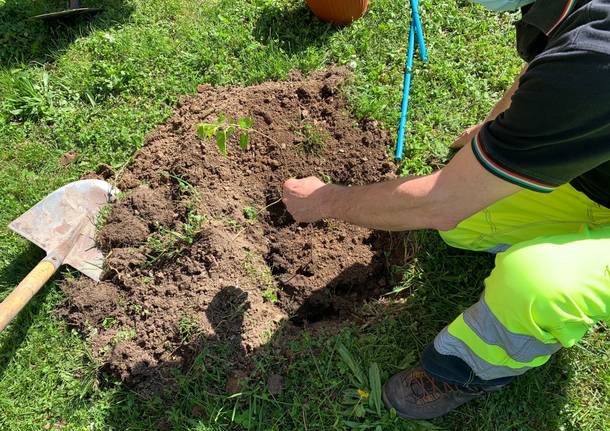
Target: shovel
63,225
74,8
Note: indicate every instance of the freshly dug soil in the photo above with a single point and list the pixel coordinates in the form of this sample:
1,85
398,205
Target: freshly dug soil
200,246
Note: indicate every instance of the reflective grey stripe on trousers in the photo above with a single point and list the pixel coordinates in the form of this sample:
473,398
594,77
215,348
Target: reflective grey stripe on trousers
520,347
447,344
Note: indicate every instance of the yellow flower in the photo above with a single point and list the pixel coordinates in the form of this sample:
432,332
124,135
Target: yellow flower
362,394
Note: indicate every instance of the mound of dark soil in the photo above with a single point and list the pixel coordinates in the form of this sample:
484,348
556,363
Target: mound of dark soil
200,247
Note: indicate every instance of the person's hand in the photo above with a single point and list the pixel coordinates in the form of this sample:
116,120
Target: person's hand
302,199
467,136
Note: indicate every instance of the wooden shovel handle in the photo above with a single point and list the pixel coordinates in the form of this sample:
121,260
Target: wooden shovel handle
22,294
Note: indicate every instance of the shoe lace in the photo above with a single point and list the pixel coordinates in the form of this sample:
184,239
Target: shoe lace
430,386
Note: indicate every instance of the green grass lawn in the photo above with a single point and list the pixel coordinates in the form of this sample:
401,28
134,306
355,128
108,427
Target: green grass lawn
98,86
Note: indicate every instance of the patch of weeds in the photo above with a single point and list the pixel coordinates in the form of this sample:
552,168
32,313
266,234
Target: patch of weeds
314,139
188,328
364,407
414,166
108,79
262,276
169,243
109,322
162,245
188,193
27,97
223,129
250,213
166,244
123,335
102,216
365,398
139,310
232,224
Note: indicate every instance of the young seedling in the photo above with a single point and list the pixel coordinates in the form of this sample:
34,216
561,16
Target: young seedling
251,214
314,139
270,294
137,308
233,224
223,129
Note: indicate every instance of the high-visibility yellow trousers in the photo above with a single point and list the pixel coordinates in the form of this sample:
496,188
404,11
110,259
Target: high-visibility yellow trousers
550,284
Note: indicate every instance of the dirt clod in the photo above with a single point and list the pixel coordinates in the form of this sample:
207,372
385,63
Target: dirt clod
68,158
123,229
202,250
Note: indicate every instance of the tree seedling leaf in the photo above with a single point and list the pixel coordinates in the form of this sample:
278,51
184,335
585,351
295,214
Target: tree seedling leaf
245,122
229,131
221,142
244,140
206,130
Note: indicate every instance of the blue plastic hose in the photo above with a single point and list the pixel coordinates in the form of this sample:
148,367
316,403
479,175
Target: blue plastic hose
423,52
414,30
405,93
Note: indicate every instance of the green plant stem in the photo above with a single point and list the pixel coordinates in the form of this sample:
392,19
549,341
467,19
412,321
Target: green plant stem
242,230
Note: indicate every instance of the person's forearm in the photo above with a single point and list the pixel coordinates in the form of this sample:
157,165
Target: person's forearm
437,201
400,204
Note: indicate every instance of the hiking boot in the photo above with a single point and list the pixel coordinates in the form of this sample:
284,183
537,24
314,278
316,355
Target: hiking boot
415,394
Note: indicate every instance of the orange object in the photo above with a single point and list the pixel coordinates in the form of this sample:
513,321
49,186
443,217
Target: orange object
339,12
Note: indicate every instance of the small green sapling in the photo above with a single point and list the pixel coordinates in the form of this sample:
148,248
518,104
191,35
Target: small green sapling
223,129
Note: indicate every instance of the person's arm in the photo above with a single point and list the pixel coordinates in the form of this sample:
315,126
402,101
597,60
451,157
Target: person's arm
502,105
437,201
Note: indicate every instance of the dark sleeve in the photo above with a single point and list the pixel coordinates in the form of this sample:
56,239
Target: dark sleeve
558,124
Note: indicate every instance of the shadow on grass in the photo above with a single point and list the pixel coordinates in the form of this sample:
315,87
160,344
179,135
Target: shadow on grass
294,30
296,380
26,40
